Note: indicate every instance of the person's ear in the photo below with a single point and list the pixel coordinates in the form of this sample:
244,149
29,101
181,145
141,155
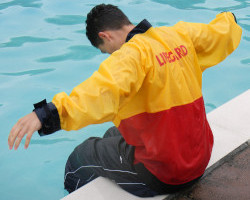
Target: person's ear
104,35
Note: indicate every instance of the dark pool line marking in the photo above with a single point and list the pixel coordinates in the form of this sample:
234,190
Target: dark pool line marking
29,72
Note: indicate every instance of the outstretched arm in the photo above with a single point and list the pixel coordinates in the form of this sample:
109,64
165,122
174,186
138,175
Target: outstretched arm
213,42
96,100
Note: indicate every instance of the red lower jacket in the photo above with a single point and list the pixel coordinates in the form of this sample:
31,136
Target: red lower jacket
174,144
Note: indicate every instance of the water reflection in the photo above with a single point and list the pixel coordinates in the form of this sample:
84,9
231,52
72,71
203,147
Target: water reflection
19,41
49,141
29,72
23,3
79,52
66,20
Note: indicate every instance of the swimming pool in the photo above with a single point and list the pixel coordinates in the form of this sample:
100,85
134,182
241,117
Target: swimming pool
44,50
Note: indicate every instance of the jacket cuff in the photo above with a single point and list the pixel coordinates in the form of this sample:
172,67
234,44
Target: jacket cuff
48,115
233,15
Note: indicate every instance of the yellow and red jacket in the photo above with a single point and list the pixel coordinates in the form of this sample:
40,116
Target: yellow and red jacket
151,89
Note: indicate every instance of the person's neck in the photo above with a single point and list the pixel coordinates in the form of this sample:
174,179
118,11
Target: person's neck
129,28
120,35
125,31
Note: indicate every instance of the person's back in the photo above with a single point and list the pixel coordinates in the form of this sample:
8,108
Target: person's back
166,119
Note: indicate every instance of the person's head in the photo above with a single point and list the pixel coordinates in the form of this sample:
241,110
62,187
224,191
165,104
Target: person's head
107,27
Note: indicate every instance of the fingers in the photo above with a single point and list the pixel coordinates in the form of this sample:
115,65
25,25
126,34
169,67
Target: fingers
19,138
17,135
11,136
28,138
26,125
14,133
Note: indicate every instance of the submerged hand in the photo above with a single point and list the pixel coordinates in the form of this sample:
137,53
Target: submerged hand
26,125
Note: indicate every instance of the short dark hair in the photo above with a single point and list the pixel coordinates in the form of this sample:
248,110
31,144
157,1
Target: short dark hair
104,17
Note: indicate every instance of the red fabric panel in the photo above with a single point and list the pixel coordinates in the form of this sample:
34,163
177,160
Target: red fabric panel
175,144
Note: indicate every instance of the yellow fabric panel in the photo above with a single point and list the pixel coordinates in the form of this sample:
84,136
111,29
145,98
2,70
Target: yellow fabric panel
213,42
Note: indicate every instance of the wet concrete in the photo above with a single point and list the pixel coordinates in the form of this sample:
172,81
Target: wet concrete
229,179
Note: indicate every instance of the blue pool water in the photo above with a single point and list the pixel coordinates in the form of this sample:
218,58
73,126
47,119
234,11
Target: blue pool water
44,50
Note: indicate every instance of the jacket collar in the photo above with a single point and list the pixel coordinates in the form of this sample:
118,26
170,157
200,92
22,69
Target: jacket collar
142,27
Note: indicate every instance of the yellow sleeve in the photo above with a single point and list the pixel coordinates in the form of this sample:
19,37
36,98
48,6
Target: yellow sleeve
213,42
99,98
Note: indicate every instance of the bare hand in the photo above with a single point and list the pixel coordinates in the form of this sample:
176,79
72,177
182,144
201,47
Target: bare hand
26,125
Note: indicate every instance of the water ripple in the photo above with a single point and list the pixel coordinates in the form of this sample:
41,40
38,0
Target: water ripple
180,4
83,31
1,105
29,72
246,38
79,52
66,20
188,5
245,26
162,24
50,141
243,4
210,105
245,61
19,41
23,3
136,2
243,22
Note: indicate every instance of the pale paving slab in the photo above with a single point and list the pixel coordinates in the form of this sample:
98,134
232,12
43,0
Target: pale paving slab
231,127
230,124
104,189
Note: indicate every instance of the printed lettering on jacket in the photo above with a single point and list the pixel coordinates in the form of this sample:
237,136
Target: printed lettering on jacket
170,57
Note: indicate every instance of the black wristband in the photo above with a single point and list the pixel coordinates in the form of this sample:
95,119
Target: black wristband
48,116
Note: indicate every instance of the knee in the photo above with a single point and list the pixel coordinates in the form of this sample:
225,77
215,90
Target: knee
69,177
111,132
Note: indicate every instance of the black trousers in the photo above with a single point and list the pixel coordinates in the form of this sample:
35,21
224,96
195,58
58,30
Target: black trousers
113,158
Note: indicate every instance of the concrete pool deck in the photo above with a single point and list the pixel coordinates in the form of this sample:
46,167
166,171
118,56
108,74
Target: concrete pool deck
228,179
227,175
